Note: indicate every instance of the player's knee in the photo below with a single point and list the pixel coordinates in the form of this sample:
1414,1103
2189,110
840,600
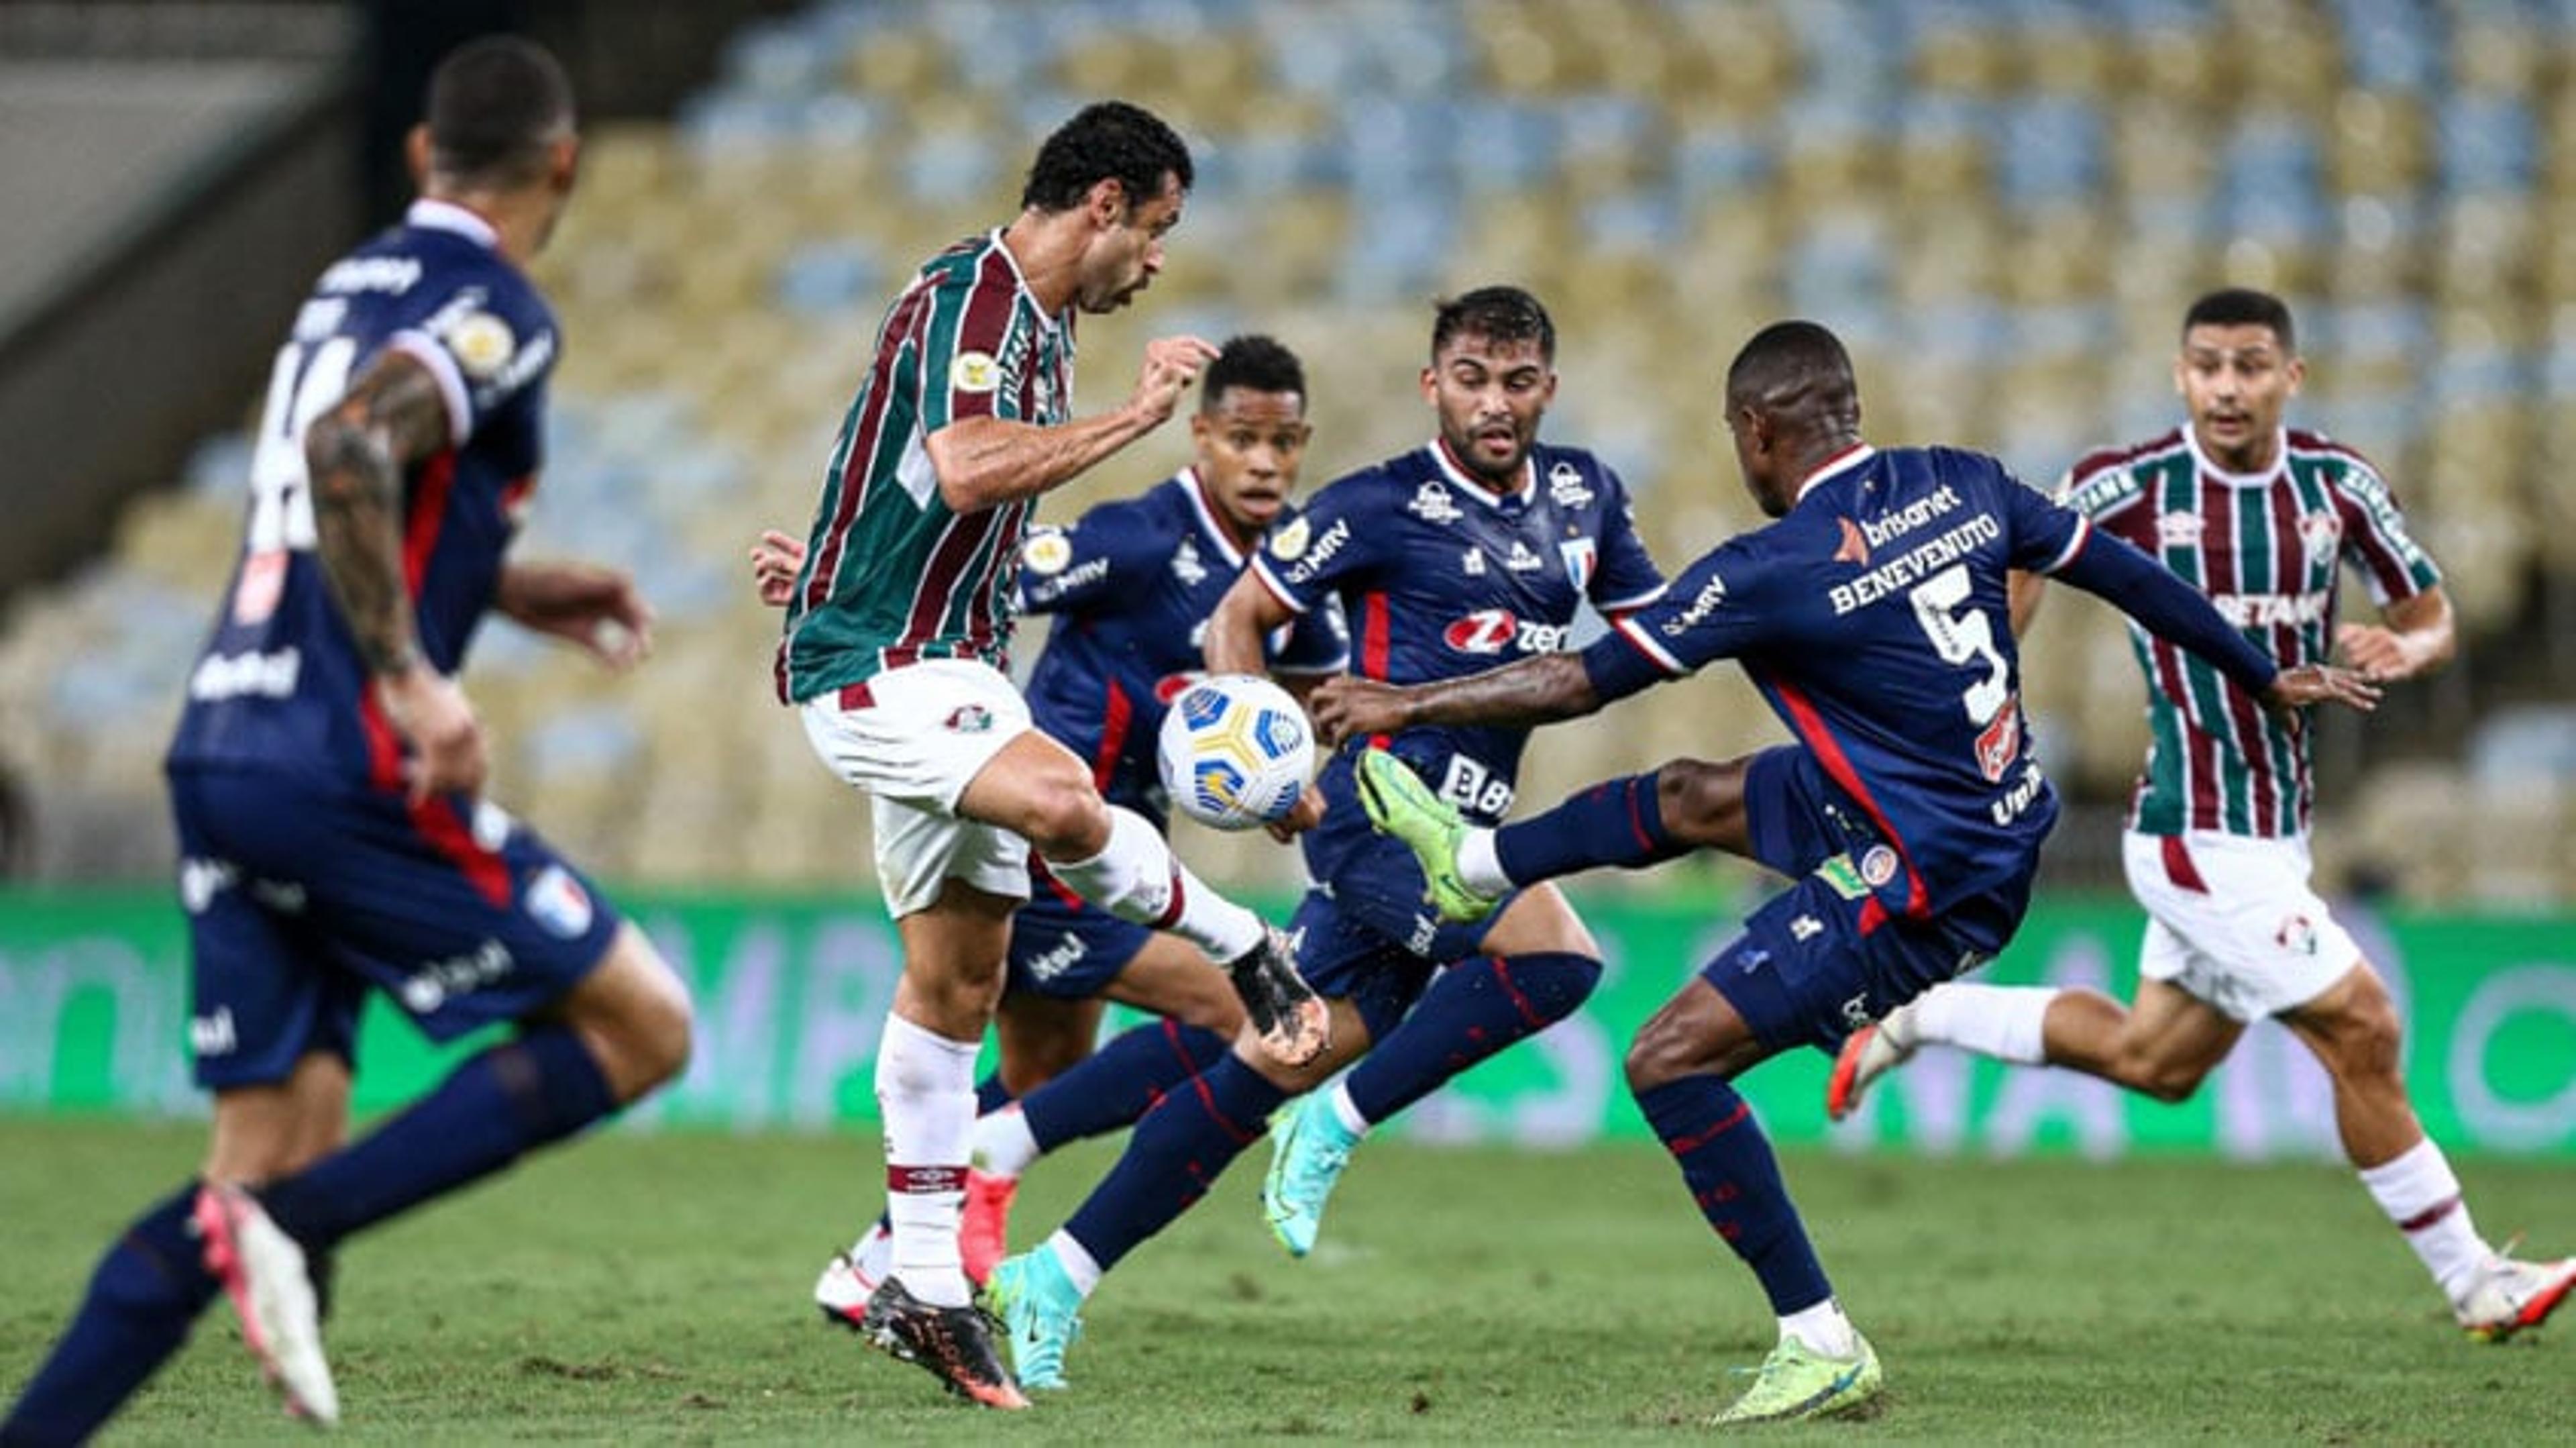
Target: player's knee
1699,801
1066,819
2171,1082
2364,1036
1659,1054
637,1020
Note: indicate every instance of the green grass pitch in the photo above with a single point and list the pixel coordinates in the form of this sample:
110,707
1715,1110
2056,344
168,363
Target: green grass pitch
653,1288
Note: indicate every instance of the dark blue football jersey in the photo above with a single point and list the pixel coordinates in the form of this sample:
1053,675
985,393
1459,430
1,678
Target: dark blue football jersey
1873,618
1132,584
280,684
1441,576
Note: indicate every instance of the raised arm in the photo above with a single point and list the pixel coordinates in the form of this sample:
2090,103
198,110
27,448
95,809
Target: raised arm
983,461
355,453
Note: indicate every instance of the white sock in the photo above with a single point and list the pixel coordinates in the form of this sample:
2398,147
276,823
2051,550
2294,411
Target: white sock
873,1253
1346,1110
2420,1195
1076,1261
1003,1145
2007,1022
1823,1328
926,1090
1479,866
1137,878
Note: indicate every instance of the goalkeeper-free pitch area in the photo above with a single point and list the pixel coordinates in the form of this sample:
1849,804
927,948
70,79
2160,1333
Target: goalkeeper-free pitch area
653,1287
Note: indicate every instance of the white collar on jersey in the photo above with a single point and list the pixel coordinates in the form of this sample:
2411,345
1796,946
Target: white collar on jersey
1017,275
1187,480
432,214
2209,469
1835,466
1466,481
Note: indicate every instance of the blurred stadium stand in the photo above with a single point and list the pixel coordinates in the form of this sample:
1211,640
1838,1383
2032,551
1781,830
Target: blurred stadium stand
2003,206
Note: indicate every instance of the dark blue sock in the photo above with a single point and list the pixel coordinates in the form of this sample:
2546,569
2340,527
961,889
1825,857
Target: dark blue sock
991,1094
142,1300
1727,1163
1178,1151
511,1099
1120,1082
1613,823
1473,1009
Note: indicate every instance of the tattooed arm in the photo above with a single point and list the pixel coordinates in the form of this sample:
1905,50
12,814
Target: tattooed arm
354,456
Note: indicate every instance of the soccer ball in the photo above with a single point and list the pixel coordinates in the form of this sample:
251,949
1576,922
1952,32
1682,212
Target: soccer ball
1235,751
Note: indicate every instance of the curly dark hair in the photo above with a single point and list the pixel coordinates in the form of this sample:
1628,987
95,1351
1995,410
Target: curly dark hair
2243,307
1497,314
494,103
1106,141
1254,363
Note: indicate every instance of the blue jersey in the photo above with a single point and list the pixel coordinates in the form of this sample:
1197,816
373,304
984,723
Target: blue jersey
1442,576
280,684
1133,583
1873,618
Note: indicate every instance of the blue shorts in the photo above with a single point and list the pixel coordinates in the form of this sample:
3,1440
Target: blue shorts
301,896
1065,949
1366,935
1829,955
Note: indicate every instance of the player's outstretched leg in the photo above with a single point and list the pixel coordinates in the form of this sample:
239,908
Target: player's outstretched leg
1310,1144
1867,1054
954,1343
1401,805
142,1299
1041,1310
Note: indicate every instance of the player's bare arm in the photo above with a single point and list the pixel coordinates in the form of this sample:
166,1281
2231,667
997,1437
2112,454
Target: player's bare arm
355,454
1534,691
2309,684
1243,618
2416,636
982,462
2023,590
588,604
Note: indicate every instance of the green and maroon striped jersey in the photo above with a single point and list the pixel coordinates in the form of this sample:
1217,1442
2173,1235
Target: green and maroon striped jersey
2265,549
891,575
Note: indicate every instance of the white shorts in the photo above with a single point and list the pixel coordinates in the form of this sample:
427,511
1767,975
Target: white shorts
913,738
2231,920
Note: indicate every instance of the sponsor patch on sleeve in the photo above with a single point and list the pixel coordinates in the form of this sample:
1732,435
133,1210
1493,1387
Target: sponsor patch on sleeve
1290,542
974,372
482,343
1046,553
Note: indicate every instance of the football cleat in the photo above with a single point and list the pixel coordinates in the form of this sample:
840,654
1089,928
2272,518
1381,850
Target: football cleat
1796,1381
953,1344
1867,1054
1400,805
984,1232
1309,1146
852,1277
2508,1296
264,1272
1293,1025
1042,1313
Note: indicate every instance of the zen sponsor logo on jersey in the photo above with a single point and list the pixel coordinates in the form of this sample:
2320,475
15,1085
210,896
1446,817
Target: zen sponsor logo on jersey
1492,630
235,676
2268,610
1311,557
1908,569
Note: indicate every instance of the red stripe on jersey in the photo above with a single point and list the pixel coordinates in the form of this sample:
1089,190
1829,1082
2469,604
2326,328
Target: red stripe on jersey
2179,867
1044,876
902,325
428,515
1810,727
2102,460
443,825
384,746
958,543
983,327
1375,630
983,623
2242,715
1115,716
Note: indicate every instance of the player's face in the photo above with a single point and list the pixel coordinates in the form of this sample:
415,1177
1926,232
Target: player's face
1490,396
1127,248
1250,445
2237,379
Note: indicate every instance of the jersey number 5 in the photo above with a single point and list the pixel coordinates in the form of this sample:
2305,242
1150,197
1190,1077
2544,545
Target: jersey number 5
1963,636
303,382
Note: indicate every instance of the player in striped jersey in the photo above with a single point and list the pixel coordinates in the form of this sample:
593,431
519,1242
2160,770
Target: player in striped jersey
2258,517
896,643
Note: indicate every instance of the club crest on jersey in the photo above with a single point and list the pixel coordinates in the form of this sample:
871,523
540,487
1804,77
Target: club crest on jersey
1432,503
2000,742
2297,935
1566,488
1474,563
1579,555
2179,530
556,901
974,372
2321,532
970,719
1290,542
1047,552
1877,865
1854,549
482,343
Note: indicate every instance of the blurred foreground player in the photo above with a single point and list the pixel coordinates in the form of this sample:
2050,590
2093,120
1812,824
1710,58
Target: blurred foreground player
326,774
1872,616
2258,517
